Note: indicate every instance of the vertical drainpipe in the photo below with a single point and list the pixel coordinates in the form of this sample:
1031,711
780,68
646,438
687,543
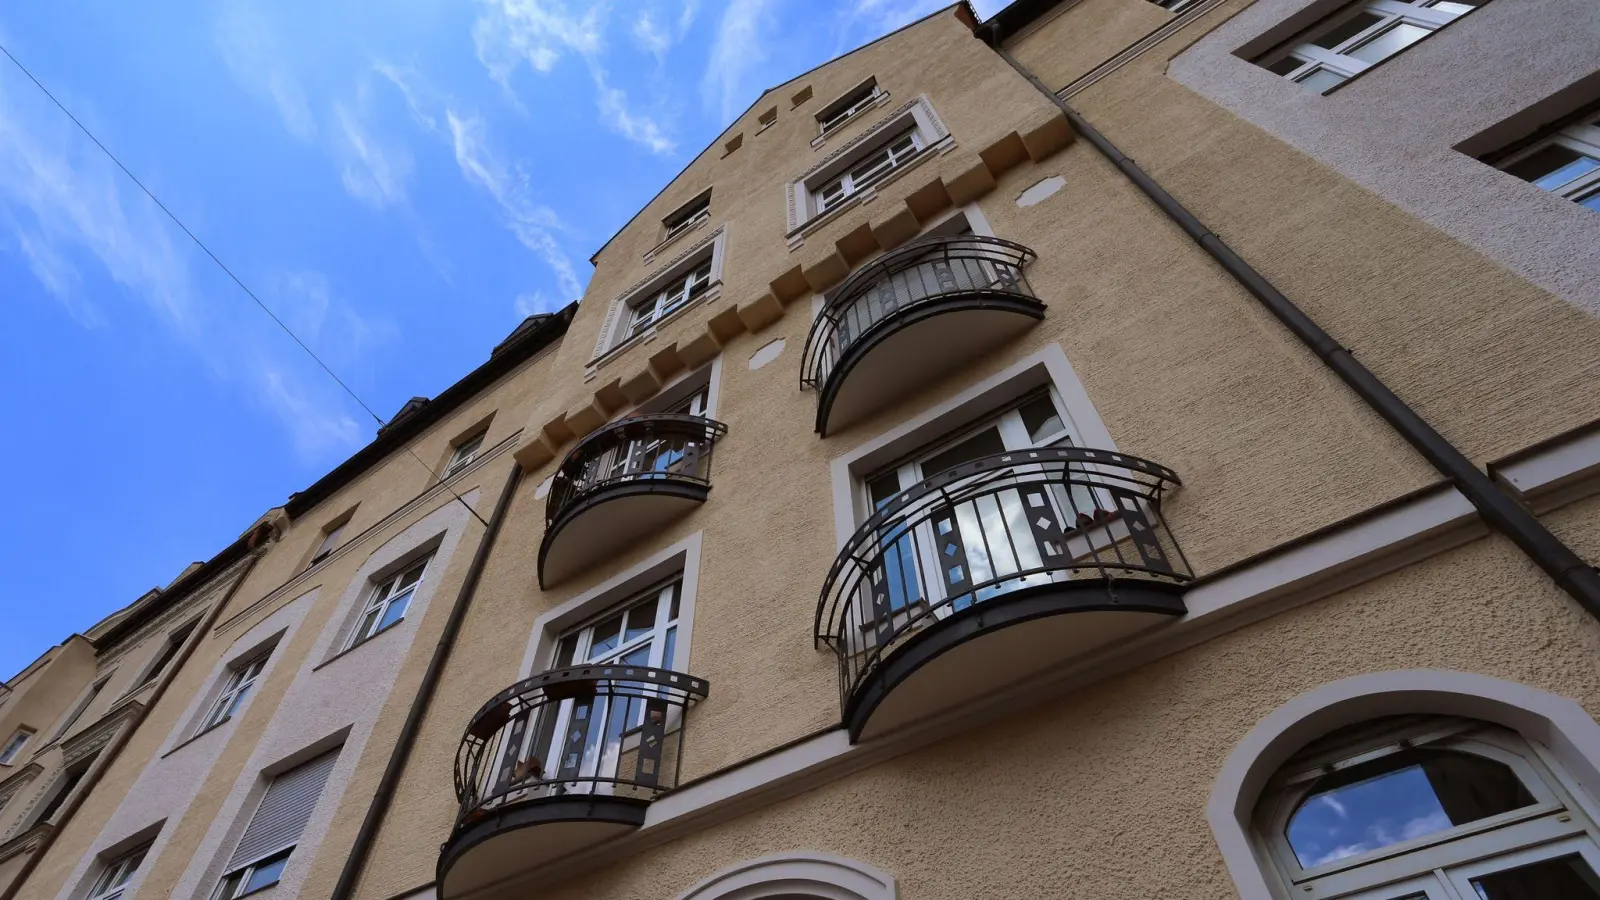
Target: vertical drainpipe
384,795
1502,512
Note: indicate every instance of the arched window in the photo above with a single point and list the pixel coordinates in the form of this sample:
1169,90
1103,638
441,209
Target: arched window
1426,808
796,876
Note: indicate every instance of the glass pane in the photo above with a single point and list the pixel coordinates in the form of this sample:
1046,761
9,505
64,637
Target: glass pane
883,487
1453,7
1390,42
983,443
1323,80
265,874
230,885
1285,66
1346,30
1400,797
565,650
1553,166
1591,202
670,648
364,630
411,577
1039,416
1564,878
641,620
606,636
396,610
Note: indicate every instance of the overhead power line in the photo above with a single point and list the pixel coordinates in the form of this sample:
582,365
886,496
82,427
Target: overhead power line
229,272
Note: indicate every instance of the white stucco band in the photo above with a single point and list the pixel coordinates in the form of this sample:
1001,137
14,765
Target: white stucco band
786,876
1553,723
1389,132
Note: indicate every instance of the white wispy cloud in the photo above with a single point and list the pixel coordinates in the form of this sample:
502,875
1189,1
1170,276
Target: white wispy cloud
76,219
533,223
868,20
248,44
651,37
531,304
617,115
372,170
740,46
421,99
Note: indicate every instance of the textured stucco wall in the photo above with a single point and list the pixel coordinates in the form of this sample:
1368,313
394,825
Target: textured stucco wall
1066,44
1393,131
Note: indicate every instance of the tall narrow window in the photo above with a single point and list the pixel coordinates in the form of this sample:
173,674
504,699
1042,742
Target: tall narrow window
241,681
845,108
893,154
14,744
1358,37
1565,163
329,543
263,851
83,705
62,789
114,878
464,454
175,642
388,603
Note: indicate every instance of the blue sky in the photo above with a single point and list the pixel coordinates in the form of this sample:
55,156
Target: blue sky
400,181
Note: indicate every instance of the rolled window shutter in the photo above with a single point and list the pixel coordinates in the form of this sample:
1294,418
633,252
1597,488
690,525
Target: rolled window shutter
285,808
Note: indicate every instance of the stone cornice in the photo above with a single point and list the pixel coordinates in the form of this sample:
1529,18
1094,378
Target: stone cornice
14,782
100,733
26,842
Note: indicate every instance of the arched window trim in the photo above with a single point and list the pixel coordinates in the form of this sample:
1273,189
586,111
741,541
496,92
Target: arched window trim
1427,852
1561,731
790,874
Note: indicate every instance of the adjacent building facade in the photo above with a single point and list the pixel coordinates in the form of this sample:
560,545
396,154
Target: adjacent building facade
1115,449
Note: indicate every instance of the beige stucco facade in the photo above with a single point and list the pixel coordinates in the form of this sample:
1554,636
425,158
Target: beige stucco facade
1324,548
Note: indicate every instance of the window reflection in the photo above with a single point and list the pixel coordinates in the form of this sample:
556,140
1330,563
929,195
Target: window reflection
1564,878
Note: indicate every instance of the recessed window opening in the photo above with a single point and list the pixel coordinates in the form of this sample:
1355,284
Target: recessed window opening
688,215
331,534
1565,162
466,451
842,110
241,680
1175,5
83,706
387,604
63,788
895,153
280,819
669,299
14,744
1358,37
113,880
175,642
1433,808
767,118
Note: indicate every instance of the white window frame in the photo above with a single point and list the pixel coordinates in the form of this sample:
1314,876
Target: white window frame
384,596
14,744
1392,13
841,111
686,217
246,871
1426,864
617,333
242,679
112,882
464,453
676,294
845,163
1584,138
893,154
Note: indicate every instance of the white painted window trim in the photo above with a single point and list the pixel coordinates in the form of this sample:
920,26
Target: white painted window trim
682,558
13,747
790,874
1584,138
1338,60
384,590
614,337
853,103
1558,729
464,453
125,866
238,688
1048,366
916,114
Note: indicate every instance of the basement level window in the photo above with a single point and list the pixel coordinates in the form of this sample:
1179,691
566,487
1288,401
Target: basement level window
1358,37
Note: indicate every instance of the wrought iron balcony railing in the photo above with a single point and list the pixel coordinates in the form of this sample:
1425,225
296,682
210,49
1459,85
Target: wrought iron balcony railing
1056,521
595,731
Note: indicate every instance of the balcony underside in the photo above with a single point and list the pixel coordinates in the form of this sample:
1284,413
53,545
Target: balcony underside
906,350
998,642
611,519
514,841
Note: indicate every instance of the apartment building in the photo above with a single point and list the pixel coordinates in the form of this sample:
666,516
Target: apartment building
1114,449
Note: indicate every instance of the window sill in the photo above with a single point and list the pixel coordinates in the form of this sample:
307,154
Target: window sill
867,194
644,337
359,644
699,223
830,134
196,736
264,888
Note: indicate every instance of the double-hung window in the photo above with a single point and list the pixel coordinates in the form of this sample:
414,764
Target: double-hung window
263,850
14,745
464,454
893,154
113,880
388,602
1359,37
995,535
241,681
671,298
1567,163
845,108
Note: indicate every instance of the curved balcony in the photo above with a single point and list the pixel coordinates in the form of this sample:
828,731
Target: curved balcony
992,572
622,482
911,316
560,762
